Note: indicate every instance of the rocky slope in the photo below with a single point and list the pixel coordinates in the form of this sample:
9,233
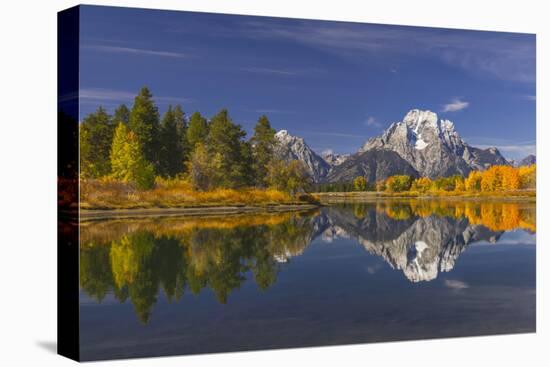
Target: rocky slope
527,161
291,147
334,159
374,165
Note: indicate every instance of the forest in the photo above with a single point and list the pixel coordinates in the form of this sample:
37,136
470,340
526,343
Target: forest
136,150
138,158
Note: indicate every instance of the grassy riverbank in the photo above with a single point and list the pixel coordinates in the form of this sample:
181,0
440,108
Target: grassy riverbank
109,194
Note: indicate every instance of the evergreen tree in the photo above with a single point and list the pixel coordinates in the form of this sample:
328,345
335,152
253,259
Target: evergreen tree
248,177
181,122
263,145
197,130
170,152
144,122
122,114
225,146
96,134
127,160
201,168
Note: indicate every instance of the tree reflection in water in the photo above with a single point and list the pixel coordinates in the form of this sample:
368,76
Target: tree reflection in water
135,259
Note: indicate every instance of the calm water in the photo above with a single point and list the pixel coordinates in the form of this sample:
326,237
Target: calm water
348,273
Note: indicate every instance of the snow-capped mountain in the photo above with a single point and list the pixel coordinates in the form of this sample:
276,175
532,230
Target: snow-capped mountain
291,147
432,146
334,159
421,247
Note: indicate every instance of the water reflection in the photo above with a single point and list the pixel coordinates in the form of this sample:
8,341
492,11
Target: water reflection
136,259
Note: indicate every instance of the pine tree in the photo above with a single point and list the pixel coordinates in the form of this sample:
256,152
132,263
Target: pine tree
122,114
181,122
141,172
170,152
225,145
144,122
96,134
197,130
263,146
127,160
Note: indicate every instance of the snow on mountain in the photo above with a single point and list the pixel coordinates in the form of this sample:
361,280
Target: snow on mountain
334,159
432,146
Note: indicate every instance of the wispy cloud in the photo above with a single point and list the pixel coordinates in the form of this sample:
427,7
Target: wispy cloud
456,284
268,71
371,121
273,111
487,141
497,55
372,269
455,105
514,150
530,97
135,51
333,134
510,148
281,71
109,96
102,94
327,152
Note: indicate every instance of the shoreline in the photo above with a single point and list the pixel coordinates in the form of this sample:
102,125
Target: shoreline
324,198
364,196
102,214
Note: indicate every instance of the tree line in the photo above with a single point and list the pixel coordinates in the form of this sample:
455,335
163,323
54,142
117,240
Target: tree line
498,178
135,145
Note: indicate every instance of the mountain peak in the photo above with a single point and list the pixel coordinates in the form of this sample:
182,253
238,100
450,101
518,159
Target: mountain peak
282,133
529,160
291,147
415,118
432,146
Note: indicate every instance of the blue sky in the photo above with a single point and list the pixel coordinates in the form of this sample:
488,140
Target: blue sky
334,83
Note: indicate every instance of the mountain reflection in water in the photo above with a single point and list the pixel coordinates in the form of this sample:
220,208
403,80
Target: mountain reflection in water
136,259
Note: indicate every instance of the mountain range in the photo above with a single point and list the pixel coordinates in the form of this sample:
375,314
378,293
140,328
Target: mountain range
421,247
419,145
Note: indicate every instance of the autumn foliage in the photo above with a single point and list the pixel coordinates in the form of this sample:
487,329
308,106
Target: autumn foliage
495,215
495,179
109,193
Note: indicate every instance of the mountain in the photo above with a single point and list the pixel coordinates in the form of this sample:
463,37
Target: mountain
334,159
432,146
480,159
291,147
420,247
373,164
527,161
